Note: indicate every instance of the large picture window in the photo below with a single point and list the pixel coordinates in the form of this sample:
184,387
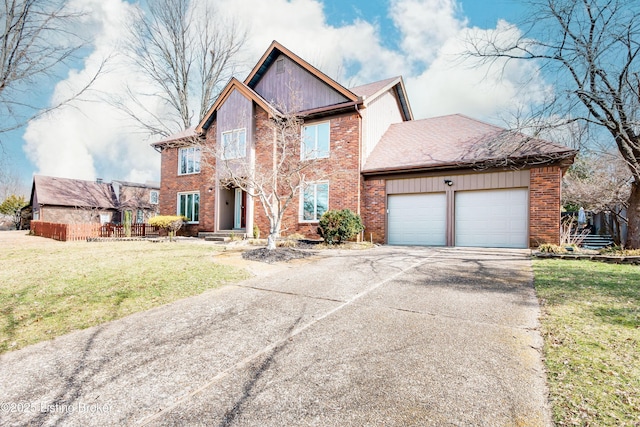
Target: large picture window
234,144
189,160
315,141
189,206
315,201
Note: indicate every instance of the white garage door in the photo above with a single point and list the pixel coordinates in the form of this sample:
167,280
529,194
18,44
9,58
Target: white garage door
492,218
417,219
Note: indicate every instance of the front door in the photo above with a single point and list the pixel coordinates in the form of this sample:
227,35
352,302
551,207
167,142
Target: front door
238,213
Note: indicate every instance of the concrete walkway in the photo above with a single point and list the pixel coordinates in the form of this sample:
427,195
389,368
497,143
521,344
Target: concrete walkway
390,336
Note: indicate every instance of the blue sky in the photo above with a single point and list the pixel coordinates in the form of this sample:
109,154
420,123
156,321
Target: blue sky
355,41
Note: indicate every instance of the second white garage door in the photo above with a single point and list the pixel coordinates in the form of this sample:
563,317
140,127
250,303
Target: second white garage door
492,218
417,219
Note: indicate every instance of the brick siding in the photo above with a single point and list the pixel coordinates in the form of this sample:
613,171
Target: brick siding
341,170
544,205
374,210
172,184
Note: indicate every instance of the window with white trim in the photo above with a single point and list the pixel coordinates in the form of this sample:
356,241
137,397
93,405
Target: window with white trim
315,141
139,216
189,160
153,197
234,144
189,206
315,201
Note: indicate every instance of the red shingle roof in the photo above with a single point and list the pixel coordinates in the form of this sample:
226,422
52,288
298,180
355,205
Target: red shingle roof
456,141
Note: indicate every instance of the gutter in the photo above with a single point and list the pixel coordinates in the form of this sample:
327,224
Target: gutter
520,162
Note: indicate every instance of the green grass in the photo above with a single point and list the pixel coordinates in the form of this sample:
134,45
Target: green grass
52,288
591,328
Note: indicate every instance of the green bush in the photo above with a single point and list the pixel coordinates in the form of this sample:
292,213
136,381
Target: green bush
339,225
171,223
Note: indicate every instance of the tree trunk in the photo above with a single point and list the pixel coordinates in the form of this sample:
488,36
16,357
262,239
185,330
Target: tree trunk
633,215
271,241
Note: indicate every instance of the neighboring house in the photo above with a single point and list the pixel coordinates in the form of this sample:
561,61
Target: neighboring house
448,180
67,201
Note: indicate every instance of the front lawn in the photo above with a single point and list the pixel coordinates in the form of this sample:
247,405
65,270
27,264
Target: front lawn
49,288
591,328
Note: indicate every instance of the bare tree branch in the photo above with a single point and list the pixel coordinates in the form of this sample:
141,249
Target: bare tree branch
187,53
590,50
38,43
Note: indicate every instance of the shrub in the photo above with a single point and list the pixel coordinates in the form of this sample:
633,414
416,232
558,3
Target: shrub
171,223
339,225
551,249
256,232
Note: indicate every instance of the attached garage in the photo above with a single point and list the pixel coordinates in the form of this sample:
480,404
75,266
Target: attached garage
492,218
417,219
481,209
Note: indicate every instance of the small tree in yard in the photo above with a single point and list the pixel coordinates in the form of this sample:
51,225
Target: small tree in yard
170,223
12,206
337,226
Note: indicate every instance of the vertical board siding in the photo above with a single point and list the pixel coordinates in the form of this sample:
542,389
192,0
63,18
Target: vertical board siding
381,113
295,88
480,181
235,113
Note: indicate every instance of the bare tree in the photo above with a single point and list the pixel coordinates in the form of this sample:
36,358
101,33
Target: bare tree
597,182
590,48
187,52
278,174
38,43
10,182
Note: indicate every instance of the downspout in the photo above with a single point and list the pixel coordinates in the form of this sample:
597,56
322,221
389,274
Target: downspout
360,177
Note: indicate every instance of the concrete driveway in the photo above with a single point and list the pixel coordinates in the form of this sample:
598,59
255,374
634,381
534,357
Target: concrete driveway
391,336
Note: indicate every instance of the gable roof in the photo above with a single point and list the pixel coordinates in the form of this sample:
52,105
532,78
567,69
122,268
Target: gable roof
457,141
72,192
276,49
246,91
180,139
371,91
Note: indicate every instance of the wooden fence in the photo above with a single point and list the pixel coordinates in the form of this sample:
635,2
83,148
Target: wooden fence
71,232
137,230
64,232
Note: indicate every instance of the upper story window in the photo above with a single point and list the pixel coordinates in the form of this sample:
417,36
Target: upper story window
189,160
315,141
234,144
153,197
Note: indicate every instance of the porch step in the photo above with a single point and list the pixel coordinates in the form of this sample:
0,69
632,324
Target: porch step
594,241
222,235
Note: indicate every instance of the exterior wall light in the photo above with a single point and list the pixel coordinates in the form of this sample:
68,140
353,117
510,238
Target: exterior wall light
448,182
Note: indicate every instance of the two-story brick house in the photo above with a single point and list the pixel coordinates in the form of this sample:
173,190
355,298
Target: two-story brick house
448,180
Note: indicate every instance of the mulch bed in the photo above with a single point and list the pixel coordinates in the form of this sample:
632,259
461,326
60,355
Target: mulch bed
602,258
275,255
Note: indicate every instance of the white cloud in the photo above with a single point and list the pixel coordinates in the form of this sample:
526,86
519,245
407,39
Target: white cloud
425,25
89,138
453,83
94,139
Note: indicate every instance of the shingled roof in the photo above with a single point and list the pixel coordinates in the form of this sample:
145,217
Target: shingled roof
73,192
457,141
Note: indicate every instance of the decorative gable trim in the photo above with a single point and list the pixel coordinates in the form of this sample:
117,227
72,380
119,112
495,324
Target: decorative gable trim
269,58
394,84
234,84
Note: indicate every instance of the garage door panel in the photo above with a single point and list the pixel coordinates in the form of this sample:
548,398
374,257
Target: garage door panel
417,219
492,218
